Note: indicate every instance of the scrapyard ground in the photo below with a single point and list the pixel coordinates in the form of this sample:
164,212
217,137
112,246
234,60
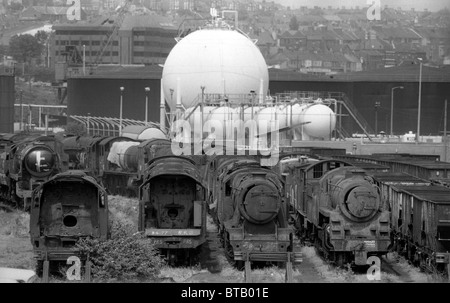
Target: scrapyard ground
16,252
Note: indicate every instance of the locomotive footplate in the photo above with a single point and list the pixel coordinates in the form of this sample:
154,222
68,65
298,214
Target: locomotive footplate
287,257
56,254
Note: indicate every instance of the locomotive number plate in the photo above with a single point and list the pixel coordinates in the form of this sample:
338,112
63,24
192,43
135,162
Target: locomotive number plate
369,244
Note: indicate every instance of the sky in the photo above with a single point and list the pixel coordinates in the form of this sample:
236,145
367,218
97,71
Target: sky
419,5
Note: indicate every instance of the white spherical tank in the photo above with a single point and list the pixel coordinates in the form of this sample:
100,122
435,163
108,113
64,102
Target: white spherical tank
221,60
319,120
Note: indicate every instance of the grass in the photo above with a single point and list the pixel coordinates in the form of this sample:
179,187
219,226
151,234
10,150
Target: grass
124,211
15,246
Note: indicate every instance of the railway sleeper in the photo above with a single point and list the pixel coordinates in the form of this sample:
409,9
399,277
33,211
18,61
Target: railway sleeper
288,258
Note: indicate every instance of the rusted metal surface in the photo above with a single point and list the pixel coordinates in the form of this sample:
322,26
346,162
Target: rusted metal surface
26,162
421,166
248,203
67,207
172,199
338,207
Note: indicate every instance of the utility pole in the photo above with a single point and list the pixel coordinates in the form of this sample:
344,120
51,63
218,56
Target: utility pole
445,131
419,102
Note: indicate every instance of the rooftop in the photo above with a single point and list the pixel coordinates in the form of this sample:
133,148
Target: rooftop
436,194
115,71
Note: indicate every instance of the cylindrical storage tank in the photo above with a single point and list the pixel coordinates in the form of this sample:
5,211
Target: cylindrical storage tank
130,158
223,114
269,114
222,61
297,111
319,121
152,133
194,117
251,112
117,152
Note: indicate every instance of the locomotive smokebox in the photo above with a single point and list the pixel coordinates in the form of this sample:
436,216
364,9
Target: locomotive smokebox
39,161
357,199
260,202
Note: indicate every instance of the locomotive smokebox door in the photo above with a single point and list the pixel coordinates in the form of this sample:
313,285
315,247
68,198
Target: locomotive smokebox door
360,257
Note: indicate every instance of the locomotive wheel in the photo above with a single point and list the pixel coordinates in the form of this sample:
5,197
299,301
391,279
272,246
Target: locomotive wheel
39,267
229,250
240,265
340,259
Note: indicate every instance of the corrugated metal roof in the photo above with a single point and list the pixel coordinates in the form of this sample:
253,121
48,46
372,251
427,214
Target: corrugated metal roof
435,194
389,177
400,73
407,73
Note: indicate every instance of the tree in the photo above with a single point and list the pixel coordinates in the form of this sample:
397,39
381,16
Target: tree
15,6
24,47
42,37
293,24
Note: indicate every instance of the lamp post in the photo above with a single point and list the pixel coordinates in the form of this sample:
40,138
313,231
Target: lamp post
21,110
84,59
147,90
392,107
419,105
377,104
120,114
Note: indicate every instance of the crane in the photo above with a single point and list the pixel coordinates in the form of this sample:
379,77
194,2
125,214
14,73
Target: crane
113,32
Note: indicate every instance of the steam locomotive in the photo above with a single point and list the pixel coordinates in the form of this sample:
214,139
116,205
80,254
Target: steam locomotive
247,202
27,161
117,162
338,207
172,204
65,208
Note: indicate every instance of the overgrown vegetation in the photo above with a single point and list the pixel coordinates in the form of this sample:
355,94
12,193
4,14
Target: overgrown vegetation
126,256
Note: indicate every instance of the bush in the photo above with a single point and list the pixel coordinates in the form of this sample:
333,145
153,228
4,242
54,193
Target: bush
126,256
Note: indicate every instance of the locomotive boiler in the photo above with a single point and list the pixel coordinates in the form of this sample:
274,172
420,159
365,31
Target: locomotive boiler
251,212
338,208
26,163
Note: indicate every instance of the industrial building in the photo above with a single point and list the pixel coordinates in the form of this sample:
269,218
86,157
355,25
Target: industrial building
7,97
145,39
369,91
